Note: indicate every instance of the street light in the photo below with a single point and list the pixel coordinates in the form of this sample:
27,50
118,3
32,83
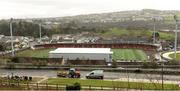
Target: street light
175,41
154,34
12,47
40,32
162,75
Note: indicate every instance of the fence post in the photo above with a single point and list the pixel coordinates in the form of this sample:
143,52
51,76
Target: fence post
9,83
56,86
18,83
37,86
46,86
27,85
89,87
66,86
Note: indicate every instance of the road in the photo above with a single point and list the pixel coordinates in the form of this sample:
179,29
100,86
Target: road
107,75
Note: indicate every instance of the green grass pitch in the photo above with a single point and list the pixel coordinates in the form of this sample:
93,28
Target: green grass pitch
129,54
41,53
125,54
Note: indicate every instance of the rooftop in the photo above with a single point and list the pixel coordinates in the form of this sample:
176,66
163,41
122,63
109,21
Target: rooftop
83,50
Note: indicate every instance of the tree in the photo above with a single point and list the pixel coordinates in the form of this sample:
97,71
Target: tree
2,47
76,86
23,28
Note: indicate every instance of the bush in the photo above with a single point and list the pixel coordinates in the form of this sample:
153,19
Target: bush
138,71
11,66
174,62
2,47
30,78
25,78
15,60
150,65
75,86
114,64
40,63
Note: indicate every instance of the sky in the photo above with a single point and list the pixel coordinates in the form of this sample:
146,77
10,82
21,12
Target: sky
59,8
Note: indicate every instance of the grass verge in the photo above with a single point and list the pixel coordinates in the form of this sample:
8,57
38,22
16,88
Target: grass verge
119,84
177,56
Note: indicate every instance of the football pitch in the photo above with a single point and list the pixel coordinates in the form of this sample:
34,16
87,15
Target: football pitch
118,54
39,53
129,54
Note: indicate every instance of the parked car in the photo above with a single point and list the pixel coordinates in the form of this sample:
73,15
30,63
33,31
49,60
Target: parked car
95,74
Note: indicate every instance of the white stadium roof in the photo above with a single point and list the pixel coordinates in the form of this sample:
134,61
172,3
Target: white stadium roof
83,50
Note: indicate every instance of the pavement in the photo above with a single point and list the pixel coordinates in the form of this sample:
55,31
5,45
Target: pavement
44,78
166,55
148,81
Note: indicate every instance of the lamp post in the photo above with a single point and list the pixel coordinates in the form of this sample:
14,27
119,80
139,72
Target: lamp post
162,75
154,28
40,32
12,45
175,41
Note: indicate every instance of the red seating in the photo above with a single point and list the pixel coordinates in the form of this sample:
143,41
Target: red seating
75,45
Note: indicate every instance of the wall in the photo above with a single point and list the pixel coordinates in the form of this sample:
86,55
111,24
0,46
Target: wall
146,47
178,39
80,56
33,60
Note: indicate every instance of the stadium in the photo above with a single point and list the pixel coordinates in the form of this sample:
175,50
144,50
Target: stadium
121,52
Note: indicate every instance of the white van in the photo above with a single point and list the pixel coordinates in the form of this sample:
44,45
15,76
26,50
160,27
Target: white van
95,74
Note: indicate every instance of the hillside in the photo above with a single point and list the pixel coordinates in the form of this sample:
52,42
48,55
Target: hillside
136,15
96,23
124,19
114,32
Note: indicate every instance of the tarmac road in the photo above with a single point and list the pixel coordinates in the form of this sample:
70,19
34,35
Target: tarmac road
107,75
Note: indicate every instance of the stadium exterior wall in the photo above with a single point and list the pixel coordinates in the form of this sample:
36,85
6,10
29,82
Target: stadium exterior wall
80,56
146,47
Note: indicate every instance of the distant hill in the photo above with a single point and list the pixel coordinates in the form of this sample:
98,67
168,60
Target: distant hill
128,20
136,15
122,19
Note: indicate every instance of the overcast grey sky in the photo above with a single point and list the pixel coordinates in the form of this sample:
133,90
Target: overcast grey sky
57,8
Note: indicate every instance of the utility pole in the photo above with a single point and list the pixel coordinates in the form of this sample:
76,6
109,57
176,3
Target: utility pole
175,41
40,32
12,44
162,75
127,73
154,34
